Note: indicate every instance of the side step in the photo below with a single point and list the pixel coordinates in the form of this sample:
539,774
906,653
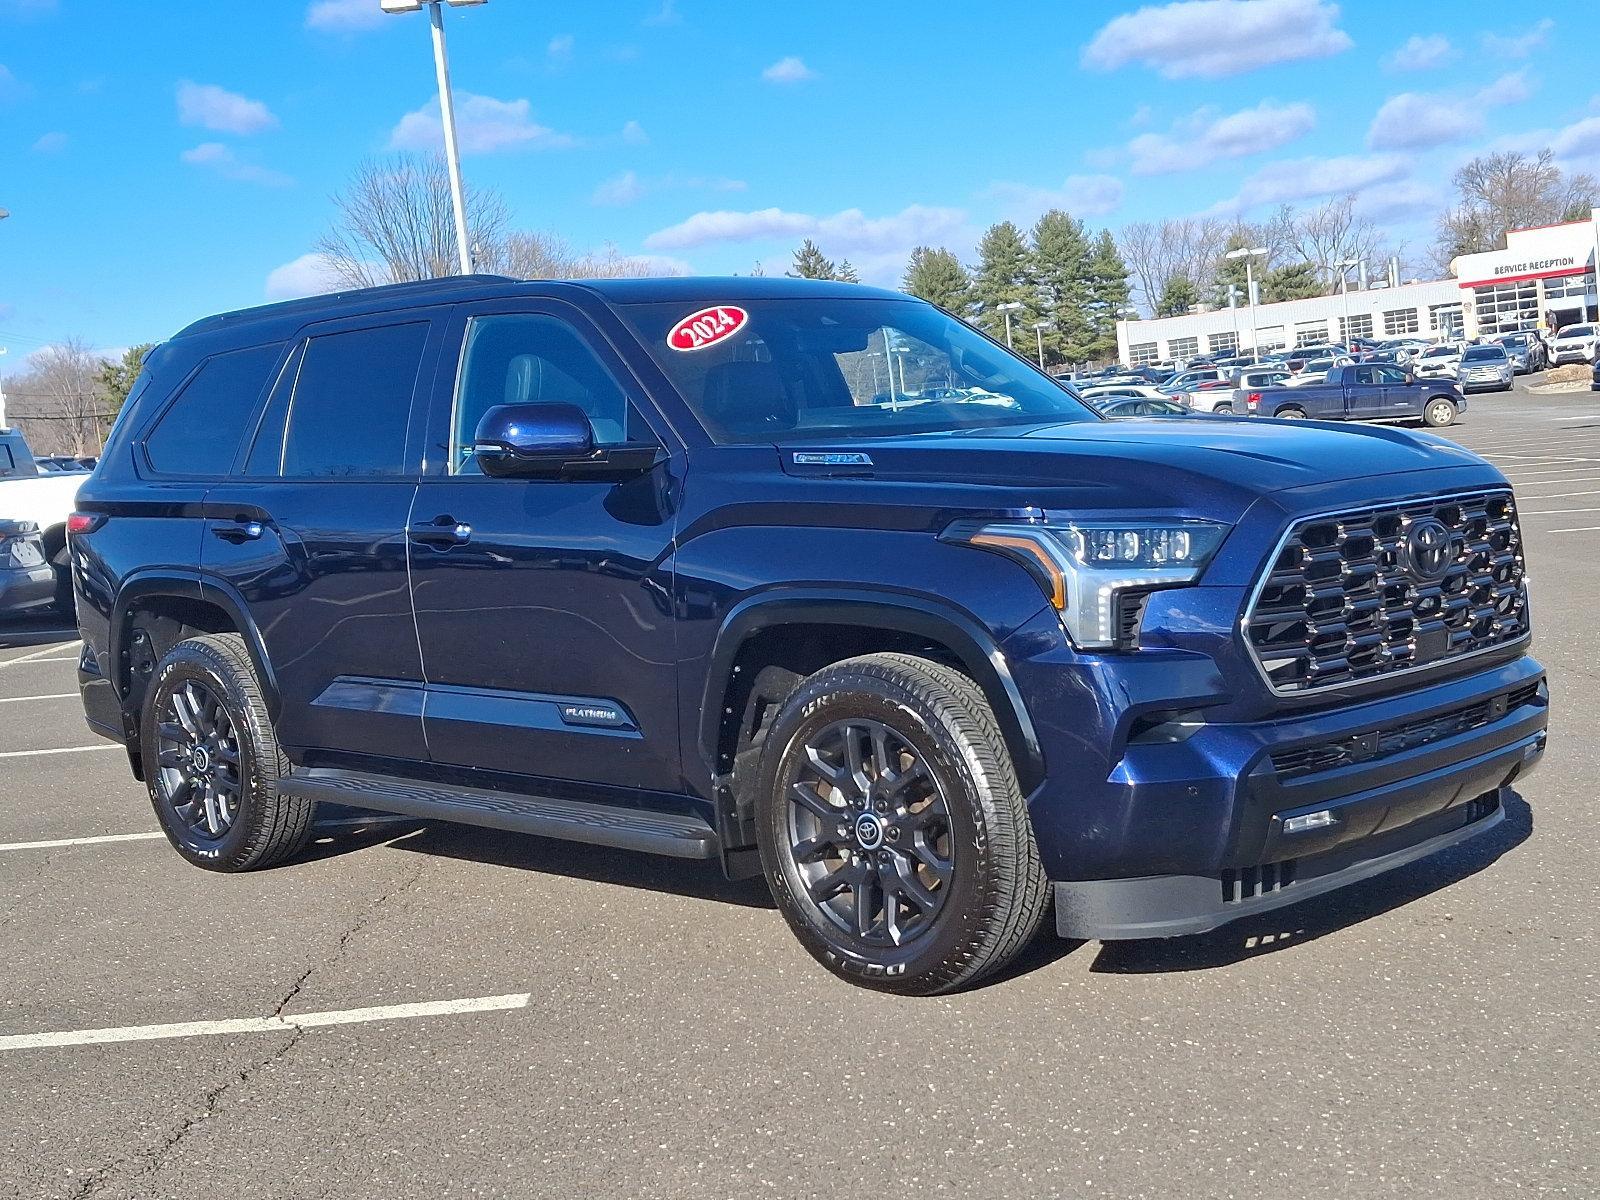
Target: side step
596,824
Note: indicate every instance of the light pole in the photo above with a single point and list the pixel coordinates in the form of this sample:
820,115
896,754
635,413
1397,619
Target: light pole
447,111
1008,309
2,379
1038,332
1250,294
1344,265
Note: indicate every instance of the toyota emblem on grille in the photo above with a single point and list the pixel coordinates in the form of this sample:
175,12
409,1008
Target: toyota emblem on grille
1429,550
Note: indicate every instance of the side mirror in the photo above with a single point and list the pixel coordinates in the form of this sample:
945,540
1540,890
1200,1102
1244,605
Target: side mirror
1411,376
523,439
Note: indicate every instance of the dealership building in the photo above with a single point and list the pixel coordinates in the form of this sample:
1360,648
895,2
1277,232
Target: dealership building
1543,276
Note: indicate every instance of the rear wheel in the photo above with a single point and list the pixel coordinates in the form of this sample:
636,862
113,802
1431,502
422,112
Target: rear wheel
212,761
892,828
1439,412
1291,414
1224,409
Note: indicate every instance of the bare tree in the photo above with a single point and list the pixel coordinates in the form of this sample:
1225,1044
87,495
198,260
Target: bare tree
532,255
396,225
1324,236
59,403
1498,192
1157,253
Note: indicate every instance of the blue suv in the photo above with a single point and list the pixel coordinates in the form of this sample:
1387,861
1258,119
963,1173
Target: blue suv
811,579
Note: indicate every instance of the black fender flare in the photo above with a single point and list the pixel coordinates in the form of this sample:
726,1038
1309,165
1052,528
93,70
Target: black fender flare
181,584
972,644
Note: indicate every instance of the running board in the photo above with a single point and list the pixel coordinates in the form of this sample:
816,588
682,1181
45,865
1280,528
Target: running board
596,824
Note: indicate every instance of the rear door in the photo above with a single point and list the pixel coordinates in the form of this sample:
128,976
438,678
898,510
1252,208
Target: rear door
309,534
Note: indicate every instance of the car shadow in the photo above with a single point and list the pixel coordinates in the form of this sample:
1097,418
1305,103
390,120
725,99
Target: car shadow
1298,924
17,632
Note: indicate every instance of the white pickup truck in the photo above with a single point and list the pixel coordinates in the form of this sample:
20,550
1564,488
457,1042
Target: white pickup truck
46,498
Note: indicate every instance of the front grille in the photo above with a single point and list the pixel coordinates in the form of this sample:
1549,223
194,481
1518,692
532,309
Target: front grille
1343,602
1397,739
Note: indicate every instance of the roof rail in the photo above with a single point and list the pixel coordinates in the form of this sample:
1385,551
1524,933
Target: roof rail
332,299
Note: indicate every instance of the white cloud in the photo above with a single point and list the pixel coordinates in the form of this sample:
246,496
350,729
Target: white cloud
628,187
788,70
633,134
212,107
345,15
483,125
1210,39
560,47
1518,45
1205,136
1421,52
9,84
843,233
1421,120
1310,178
214,156
1080,195
1578,140
308,275
667,14
51,143
623,189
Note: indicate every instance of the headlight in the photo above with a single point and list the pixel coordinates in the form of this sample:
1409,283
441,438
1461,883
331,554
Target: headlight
1097,573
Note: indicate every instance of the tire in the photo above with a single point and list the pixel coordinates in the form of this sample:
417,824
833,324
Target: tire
66,603
950,834
1290,414
1223,410
223,812
1438,412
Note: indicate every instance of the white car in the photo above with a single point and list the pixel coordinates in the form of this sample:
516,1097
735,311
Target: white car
1437,362
1575,343
44,498
1316,370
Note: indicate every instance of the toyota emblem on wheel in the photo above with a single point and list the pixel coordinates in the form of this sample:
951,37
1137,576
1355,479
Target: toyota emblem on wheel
869,831
1429,550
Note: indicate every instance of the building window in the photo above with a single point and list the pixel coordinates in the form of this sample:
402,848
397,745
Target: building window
1506,307
1182,348
1141,354
1224,343
1445,319
1271,338
1400,320
1357,326
1310,333
1569,287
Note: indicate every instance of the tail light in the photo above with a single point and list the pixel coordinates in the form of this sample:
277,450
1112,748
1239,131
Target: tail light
1253,400
81,522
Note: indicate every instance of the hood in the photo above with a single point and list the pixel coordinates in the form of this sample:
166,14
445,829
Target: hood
1182,464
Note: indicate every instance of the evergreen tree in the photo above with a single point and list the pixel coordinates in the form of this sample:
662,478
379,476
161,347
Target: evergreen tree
1061,274
1231,271
846,273
1296,281
937,276
1177,297
810,263
1108,296
116,378
1004,275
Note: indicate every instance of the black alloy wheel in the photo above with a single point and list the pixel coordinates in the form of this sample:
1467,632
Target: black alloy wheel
198,757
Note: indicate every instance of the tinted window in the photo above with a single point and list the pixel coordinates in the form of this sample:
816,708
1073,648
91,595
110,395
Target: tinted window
7,463
352,403
199,434
527,358
1481,353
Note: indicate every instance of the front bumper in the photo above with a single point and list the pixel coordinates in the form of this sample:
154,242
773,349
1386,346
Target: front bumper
23,589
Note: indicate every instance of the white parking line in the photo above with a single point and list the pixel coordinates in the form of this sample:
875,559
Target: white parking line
53,696
277,1024
62,750
56,843
39,654
1576,529
1551,512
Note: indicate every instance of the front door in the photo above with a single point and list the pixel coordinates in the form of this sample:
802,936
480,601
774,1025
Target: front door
1400,399
1363,398
543,605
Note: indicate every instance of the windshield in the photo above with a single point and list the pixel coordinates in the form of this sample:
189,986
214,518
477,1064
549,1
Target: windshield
794,369
1437,352
1576,331
1481,353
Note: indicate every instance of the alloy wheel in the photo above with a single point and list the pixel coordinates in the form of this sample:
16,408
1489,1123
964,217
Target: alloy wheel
869,833
198,760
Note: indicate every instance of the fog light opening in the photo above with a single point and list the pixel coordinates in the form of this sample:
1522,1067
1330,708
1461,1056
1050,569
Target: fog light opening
1310,821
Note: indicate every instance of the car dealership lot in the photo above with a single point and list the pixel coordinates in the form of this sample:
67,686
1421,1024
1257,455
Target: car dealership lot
560,1019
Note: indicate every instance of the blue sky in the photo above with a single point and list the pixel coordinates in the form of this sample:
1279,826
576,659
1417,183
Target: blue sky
167,158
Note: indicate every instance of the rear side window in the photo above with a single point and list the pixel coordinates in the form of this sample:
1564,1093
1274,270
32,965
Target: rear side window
352,403
199,434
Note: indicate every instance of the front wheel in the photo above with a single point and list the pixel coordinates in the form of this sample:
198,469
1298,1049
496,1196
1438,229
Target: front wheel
893,831
1439,412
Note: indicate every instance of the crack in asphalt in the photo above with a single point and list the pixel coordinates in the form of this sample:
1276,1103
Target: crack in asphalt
155,1156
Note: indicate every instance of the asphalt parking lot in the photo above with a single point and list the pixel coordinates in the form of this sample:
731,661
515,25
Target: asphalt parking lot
563,1020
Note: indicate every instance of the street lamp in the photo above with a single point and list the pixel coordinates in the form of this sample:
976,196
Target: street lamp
1250,293
1038,332
447,111
1008,309
2,378
1344,265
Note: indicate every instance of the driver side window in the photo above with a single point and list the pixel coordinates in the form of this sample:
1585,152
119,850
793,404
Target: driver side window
531,358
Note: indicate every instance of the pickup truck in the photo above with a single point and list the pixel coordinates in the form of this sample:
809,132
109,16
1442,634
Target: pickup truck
1363,392
43,498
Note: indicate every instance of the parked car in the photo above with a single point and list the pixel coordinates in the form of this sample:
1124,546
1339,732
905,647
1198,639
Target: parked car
1575,343
1214,395
1364,392
1525,350
1256,379
1439,361
43,497
1136,406
1315,370
1104,393
1594,386
638,563
1184,381
1485,367
27,581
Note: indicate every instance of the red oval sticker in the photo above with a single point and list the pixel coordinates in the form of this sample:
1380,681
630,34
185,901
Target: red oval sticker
707,327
